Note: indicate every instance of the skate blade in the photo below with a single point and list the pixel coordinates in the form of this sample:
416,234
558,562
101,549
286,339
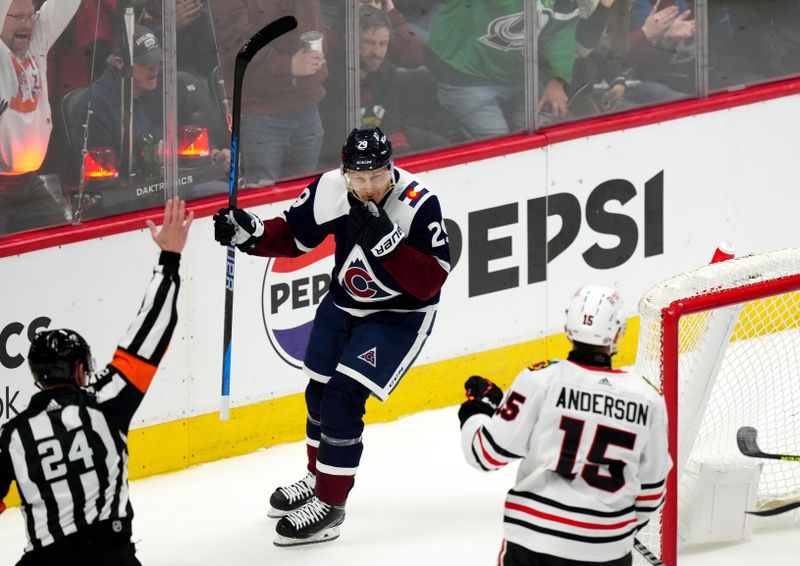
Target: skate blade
276,513
325,536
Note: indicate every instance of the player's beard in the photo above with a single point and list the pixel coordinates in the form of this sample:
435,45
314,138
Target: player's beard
373,63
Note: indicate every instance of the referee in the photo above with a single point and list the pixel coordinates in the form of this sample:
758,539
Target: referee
68,450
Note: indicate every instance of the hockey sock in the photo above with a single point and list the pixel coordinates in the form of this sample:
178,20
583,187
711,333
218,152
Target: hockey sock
312,452
332,489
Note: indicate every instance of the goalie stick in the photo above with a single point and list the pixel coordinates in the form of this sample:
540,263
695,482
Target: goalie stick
264,36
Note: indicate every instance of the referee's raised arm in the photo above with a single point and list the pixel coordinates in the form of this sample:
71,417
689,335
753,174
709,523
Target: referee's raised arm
68,449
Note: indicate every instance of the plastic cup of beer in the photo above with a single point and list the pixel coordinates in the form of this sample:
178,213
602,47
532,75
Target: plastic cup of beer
312,41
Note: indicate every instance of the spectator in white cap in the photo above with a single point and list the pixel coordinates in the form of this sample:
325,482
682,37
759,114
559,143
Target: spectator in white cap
105,95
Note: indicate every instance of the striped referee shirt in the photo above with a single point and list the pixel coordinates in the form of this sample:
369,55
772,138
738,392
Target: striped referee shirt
68,449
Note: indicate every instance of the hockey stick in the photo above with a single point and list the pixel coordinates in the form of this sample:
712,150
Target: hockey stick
264,36
645,552
746,439
775,510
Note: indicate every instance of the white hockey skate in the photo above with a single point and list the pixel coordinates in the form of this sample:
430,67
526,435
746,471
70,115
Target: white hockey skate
314,522
286,499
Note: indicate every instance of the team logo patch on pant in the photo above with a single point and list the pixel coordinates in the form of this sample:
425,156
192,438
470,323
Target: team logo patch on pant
370,356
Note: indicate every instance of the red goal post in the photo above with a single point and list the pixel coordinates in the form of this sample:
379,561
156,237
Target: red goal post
687,325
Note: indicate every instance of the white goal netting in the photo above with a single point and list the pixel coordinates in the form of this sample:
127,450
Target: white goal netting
737,364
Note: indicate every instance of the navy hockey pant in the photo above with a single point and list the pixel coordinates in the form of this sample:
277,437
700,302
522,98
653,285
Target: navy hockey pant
348,358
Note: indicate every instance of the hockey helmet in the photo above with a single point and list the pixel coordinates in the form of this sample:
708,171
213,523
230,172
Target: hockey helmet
54,353
366,150
594,316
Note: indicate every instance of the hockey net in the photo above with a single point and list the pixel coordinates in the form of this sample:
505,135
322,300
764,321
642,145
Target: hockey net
724,343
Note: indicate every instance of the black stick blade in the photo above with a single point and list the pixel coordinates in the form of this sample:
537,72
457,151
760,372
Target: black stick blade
775,510
269,32
746,439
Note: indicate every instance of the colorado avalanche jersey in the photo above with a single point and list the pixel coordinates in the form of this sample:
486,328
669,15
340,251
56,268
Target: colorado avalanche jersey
593,444
362,284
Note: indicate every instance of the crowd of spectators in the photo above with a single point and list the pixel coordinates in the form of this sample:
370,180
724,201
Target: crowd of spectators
105,127
432,73
381,88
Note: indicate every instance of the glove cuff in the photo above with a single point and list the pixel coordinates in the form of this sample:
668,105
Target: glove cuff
244,238
388,243
471,408
250,243
259,225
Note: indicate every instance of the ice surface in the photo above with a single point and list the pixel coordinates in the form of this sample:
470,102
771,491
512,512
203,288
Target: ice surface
415,503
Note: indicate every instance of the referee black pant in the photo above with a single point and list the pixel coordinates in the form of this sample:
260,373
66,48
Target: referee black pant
100,544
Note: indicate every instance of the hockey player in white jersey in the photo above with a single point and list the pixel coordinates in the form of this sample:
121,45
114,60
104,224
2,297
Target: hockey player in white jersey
592,440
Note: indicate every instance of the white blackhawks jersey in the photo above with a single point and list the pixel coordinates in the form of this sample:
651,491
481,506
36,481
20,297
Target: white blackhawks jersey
593,444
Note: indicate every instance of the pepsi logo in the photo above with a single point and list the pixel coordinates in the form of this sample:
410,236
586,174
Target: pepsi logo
291,292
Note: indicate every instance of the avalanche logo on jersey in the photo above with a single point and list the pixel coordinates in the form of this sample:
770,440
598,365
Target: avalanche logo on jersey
358,279
292,290
370,356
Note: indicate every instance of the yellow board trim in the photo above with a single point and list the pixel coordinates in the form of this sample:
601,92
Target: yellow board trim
176,445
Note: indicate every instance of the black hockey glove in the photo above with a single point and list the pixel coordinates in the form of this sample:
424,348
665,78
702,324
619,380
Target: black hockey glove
483,397
238,227
370,227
